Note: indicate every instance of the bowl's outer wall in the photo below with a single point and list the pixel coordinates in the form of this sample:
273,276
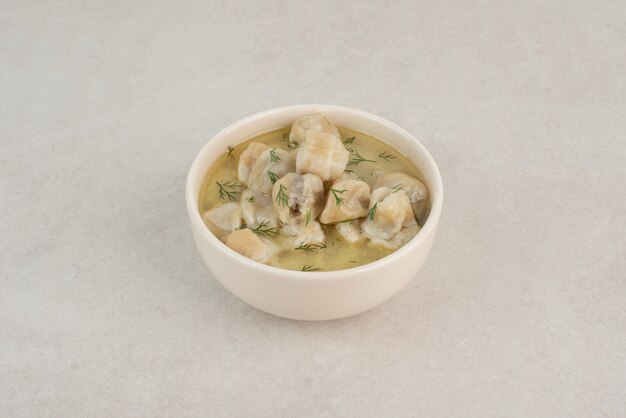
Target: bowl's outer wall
344,293
308,299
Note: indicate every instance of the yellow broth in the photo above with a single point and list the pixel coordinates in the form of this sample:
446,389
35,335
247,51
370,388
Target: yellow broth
372,157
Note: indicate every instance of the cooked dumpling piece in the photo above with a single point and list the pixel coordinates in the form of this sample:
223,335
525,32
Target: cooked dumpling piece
269,166
315,122
322,154
248,244
399,239
298,197
415,190
351,231
248,158
223,219
306,234
257,208
393,211
348,198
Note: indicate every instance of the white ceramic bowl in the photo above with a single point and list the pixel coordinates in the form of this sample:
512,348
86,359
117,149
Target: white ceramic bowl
319,295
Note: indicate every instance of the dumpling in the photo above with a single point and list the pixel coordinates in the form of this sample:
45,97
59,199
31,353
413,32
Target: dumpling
307,234
257,208
269,166
298,198
248,244
315,122
351,231
390,210
322,154
399,239
348,198
223,219
415,190
248,158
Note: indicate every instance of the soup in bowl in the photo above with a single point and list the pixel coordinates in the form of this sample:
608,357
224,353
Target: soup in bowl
314,211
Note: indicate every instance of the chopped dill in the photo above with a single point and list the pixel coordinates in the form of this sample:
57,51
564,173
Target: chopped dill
396,188
273,176
372,212
282,198
358,177
266,231
349,140
229,152
308,217
338,199
336,240
309,248
357,159
229,189
273,156
386,156
307,267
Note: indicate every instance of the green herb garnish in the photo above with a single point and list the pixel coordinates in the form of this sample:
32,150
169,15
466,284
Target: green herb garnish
308,217
372,212
251,199
264,230
349,140
396,188
386,156
273,176
282,198
358,159
338,200
273,156
309,248
229,189
229,152
307,267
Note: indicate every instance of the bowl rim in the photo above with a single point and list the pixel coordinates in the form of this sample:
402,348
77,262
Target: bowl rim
429,227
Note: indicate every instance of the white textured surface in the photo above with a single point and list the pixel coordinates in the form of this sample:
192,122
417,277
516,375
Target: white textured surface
107,309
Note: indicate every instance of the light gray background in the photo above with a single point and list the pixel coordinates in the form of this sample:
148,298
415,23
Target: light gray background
106,308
